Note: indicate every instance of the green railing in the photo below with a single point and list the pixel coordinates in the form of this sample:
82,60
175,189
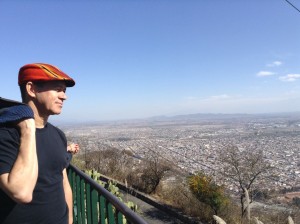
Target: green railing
93,204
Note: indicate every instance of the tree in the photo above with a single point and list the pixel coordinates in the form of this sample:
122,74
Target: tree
153,172
208,192
243,168
110,162
150,172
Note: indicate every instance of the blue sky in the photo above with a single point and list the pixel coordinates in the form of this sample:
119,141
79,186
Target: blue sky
137,59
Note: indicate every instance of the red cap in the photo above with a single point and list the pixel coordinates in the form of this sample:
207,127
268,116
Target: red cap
43,72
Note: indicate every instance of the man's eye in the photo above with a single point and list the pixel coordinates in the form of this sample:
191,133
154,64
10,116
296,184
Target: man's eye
61,90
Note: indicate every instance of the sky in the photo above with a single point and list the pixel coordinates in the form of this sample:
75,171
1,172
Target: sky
136,59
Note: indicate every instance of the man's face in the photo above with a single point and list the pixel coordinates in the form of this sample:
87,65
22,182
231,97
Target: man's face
50,97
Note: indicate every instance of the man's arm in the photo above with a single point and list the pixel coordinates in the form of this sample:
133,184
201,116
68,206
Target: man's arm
68,195
20,182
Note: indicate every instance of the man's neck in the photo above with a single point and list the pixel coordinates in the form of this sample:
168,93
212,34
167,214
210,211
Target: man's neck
40,120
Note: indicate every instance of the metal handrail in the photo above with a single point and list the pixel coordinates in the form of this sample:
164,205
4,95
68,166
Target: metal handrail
89,195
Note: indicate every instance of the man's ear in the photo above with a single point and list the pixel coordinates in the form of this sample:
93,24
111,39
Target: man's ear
31,89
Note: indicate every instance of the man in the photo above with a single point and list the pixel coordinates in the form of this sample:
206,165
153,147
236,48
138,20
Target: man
34,188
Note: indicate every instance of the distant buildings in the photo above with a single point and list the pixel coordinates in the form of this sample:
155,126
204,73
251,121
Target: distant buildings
194,145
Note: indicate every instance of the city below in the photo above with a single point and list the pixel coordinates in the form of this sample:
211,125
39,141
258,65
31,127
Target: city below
194,142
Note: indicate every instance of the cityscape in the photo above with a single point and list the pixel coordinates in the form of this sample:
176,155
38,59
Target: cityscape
194,142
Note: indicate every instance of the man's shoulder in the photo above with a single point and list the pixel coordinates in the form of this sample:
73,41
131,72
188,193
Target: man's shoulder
56,129
51,126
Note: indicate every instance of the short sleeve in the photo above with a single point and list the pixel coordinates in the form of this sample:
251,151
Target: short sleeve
69,158
9,148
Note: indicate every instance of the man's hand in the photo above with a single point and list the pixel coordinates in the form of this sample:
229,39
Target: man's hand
73,148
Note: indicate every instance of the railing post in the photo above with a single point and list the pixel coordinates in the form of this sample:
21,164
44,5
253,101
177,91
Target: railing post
94,206
102,209
111,217
83,201
88,203
78,200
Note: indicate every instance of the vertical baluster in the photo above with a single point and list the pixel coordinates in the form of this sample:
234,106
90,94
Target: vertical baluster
119,217
102,209
88,203
71,177
83,205
94,206
78,200
111,215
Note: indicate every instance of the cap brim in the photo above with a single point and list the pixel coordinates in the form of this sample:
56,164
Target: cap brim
69,83
9,103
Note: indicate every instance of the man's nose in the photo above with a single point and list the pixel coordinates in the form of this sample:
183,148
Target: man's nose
63,95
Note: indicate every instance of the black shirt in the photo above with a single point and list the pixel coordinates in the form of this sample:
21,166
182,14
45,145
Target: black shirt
48,204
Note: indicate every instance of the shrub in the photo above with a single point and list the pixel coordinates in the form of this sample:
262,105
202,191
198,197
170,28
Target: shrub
207,191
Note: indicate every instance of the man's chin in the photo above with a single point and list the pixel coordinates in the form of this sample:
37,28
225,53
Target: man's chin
56,112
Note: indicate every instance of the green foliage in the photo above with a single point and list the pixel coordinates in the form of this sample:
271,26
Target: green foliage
131,205
207,191
111,186
95,176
